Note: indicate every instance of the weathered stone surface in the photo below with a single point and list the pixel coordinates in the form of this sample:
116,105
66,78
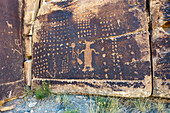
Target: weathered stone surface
93,47
11,57
27,71
7,108
161,63
159,12
28,46
9,90
160,47
30,12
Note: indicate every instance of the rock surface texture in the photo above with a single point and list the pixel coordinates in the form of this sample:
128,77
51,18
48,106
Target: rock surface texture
161,47
30,11
93,47
11,53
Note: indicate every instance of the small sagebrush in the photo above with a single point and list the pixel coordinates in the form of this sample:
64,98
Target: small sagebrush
160,107
42,91
72,111
106,105
141,104
65,100
39,92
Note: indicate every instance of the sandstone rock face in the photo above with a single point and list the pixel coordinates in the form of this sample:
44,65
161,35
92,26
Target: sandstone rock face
27,72
30,11
28,46
160,47
11,57
93,47
159,10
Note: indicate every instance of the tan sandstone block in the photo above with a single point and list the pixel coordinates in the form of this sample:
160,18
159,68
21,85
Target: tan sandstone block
27,71
30,13
28,46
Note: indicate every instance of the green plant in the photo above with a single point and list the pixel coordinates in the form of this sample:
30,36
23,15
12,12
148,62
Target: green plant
46,89
159,106
72,111
28,92
115,106
43,91
141,104
92,109
65,100
59,97
39,92
105,105
67,104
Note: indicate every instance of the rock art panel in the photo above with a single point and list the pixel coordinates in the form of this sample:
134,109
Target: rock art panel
11,57
160,47
93,47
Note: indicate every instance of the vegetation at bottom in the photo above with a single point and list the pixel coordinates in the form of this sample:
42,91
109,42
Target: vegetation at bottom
126,105
68,105
140,104
43,91
71,111
40,92
100,104
106,105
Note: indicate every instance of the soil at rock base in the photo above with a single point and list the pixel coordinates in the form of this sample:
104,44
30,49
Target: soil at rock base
82,104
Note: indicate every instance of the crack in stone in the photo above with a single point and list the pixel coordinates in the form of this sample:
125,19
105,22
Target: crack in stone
150,36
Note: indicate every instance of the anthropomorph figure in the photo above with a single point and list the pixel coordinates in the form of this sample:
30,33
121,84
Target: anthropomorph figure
75,55
88,56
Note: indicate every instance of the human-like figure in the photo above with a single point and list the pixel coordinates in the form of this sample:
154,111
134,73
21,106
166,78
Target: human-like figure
88,56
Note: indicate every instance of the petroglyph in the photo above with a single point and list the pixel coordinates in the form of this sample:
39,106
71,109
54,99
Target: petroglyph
93,40
11,58
75,55
88,56
9,25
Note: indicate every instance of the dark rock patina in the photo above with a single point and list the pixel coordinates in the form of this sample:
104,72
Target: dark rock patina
96,47
11,53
